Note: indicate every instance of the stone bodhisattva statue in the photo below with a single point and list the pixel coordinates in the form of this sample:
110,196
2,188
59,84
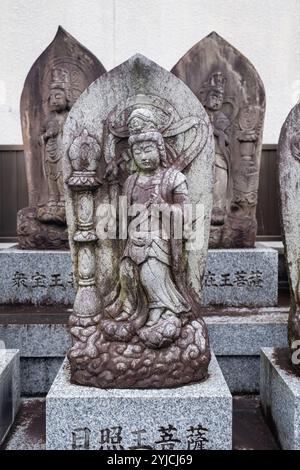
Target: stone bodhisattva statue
213,103
59,104
153,295
53,84
138,138
289,191
232,92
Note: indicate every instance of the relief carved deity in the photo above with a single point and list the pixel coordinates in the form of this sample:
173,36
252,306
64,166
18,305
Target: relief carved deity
55,81
136,319
59,104
214,91
152,291
289,191
230,89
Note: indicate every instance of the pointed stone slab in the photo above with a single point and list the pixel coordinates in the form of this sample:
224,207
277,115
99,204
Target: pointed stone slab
98,124
289,190
215,67
65,55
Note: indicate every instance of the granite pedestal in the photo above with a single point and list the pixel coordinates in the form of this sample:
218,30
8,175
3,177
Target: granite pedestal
9,389
193,417
234,277
39,277
280,396
241,277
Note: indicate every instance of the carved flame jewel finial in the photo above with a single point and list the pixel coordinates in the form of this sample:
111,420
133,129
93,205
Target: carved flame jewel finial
84,155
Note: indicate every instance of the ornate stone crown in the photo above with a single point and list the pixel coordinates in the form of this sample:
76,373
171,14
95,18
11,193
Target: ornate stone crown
217,82
60,78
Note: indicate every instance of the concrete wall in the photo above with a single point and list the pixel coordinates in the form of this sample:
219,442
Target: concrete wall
267,32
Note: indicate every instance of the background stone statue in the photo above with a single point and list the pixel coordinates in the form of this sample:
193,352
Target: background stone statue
213,101
233,95
52,86
138,137
289,190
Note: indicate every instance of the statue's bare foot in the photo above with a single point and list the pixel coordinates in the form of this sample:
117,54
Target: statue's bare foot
154,316
162,333
118,331
123,316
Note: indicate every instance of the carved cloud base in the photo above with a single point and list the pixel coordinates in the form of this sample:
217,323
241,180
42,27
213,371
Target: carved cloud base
34,234
294,334
100,362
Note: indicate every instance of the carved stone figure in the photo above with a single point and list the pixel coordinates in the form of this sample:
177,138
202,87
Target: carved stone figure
233,95
52,86
289,190
138,152
213,102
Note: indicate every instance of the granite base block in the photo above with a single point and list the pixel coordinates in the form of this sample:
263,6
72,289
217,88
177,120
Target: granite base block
36,277
38,374
197,416
9,389
234,277
241,278
280,396
241,373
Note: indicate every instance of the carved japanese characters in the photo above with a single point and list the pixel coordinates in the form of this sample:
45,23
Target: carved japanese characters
289,177
138,166
55,81
233,95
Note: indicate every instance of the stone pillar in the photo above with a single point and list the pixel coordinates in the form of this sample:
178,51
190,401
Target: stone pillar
84,156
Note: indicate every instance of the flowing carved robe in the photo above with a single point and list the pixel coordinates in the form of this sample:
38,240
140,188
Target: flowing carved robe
158,258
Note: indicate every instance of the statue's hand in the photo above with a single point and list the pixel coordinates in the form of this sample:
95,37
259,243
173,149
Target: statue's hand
159,203
50,133
139,239
157,199
41,140
111,171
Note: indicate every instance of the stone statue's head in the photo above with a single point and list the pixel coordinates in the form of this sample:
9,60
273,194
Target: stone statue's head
148,150
214,100
60,91
214,90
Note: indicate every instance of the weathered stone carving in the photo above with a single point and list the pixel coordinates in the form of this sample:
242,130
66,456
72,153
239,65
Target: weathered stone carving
139,139
55,81
289,177
232,92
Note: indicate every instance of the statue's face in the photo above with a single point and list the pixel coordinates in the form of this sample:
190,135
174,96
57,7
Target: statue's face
57,100
146,155
214,100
